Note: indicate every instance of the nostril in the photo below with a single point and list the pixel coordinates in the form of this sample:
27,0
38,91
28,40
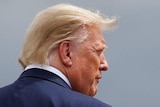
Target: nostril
103,64
103,67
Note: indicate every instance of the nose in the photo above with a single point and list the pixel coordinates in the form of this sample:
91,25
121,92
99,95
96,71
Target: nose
103,64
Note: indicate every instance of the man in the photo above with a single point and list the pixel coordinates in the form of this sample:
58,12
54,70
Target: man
62,59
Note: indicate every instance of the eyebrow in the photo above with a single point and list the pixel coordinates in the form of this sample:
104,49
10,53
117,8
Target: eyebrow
102,48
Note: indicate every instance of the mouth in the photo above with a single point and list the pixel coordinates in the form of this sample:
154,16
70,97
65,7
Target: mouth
97,80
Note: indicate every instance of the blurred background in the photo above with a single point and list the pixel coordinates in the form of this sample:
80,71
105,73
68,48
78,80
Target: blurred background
133,54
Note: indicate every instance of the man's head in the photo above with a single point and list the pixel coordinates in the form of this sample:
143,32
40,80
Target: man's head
69,38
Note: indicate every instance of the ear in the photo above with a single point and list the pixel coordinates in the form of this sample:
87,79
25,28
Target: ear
65,53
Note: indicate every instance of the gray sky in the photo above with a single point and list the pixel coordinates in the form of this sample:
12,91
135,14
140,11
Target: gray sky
133,54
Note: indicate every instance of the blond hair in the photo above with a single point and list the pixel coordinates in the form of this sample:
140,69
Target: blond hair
54,25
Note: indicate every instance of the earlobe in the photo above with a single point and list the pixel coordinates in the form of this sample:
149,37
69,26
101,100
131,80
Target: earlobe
65,53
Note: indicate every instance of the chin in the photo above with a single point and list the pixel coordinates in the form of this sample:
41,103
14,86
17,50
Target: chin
94,91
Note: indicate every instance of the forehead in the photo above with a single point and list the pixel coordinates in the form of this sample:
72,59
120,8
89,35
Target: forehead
95,36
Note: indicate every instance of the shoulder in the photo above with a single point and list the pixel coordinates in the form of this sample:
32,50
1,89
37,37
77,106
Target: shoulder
84,101
62,97
50,94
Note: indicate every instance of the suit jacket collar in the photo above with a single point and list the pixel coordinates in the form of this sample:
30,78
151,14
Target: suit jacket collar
45,75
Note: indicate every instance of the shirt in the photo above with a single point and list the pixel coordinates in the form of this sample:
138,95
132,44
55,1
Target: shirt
49,69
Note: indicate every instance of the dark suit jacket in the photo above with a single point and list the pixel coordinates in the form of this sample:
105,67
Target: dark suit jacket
38,88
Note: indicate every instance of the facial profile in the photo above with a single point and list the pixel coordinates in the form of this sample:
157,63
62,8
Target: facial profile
88,61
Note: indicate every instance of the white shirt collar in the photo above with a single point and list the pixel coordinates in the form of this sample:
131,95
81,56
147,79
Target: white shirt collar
50,69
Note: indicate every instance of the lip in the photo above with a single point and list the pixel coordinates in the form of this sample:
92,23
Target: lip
98,80
99,77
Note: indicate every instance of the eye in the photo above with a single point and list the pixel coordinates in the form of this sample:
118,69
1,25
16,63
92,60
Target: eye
99,52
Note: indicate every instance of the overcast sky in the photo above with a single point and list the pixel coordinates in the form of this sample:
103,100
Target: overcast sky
133,54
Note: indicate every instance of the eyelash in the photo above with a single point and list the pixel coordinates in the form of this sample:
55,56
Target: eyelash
99,52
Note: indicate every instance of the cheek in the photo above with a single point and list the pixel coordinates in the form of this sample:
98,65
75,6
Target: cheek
87,66
94,63
89,75
90,67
